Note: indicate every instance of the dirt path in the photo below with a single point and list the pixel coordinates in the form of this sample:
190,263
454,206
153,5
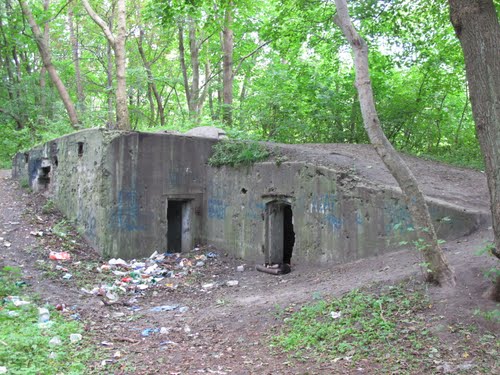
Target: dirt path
226,329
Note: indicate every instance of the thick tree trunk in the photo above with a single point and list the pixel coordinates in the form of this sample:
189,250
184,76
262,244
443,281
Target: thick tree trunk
227,65
437,267
117,42
477,27
43,48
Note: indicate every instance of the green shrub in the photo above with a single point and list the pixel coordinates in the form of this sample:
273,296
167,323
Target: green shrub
237,153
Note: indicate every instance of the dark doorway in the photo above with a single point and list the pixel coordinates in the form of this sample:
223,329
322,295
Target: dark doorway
280,236
174,228
288,234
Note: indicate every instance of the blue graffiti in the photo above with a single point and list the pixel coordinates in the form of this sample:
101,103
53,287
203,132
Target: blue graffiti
216,209
126,214
325,205
400,220
334,221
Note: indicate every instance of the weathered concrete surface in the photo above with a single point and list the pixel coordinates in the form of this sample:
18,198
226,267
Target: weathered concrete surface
118,187
337,216
115,186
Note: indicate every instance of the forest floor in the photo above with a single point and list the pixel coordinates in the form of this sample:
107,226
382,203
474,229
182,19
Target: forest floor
229,329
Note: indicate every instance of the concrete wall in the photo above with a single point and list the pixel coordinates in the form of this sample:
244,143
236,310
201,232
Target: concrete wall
337,218
146,171
117,187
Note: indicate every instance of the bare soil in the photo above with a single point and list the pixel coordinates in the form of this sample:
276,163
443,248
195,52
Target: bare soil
227,329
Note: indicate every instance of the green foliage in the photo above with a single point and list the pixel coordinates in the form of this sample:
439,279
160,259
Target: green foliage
25,347
298,88
237,153
385,327
49,207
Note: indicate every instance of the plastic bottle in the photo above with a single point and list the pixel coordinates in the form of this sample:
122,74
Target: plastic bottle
43,315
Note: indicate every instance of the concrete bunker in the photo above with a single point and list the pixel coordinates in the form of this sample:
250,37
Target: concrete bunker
129,205
179,223
280,236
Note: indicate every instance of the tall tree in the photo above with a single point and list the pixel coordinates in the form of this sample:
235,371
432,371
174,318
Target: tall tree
477,27
73,36
437,268
117,42
44,49
227,65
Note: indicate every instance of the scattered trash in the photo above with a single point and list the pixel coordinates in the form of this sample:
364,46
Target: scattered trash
75,337
159,269
106,343
53,355
67,276
336,314
55,341
13,314
232,282
75,316
16,301
187,329
7,244
164,308
62,255
183,309
146,332
240,268
60,307
164,331
37,233
117,354
208,286
43,315
167,342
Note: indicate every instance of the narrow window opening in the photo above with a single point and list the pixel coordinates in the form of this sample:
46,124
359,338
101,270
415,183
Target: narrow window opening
80,149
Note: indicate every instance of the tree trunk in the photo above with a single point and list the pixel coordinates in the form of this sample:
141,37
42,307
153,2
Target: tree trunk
437,268
227,65
477,27
151,82
195,68
43,48
122,116
76,59
111,124
117,42
182,60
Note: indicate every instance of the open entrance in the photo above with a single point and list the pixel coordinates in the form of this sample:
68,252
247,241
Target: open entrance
178,225
280,236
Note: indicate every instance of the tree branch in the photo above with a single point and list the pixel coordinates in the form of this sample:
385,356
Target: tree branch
100,22
249,55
